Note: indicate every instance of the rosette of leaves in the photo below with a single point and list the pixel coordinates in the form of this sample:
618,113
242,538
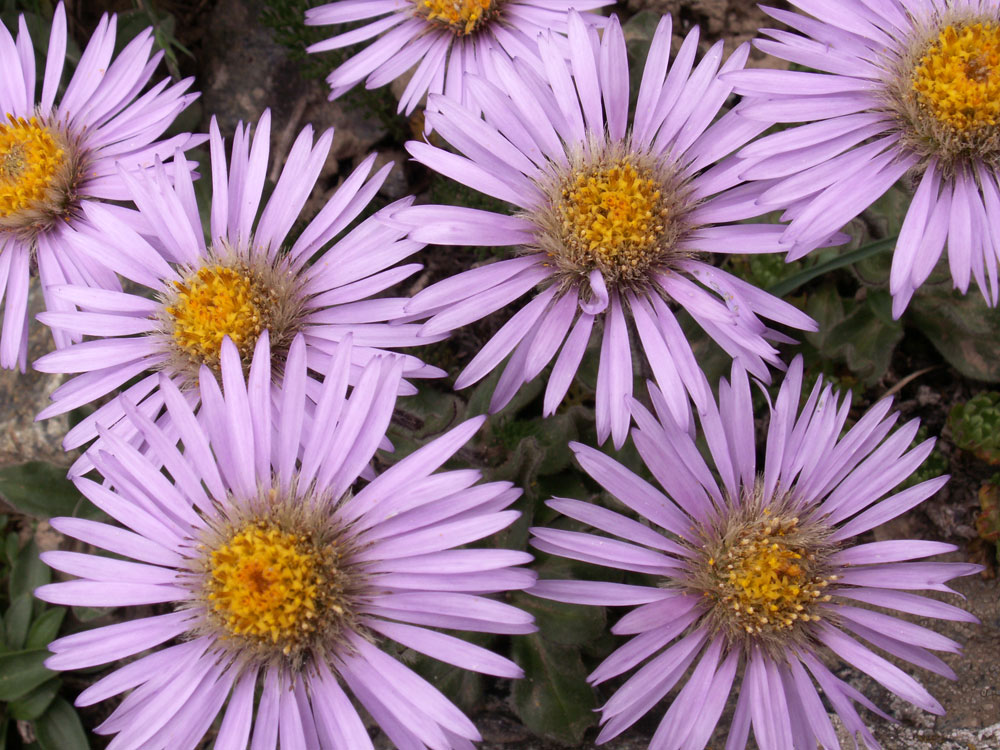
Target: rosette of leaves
33,714
975,426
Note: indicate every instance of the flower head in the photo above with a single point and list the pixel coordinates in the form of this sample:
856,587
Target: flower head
247,277
907,89
611,223
278,578
58,157
446,39
756,568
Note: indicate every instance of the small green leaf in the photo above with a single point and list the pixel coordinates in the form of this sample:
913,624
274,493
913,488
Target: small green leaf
10,547
826,307
45,627
791,284
33,705
962,328
17,619
41,489
566,624
554,699
60,728
21,672
866,337
28,571
88,614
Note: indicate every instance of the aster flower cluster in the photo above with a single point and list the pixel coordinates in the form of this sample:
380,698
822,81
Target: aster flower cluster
905,88
60,154
241,356
756,568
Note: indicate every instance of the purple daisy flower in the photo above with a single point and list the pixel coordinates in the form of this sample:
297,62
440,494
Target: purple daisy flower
243,281
274,578
611,220
757,569
446,40
57,158
910,88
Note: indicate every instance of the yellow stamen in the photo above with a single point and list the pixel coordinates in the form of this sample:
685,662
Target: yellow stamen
612,216
264,584
958,78
215,302
30,156
461,16
767,580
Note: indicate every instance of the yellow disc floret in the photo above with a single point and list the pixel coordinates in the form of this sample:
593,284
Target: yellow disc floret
958,78
30,157
214,302
264,585
613,216
461,16
766,581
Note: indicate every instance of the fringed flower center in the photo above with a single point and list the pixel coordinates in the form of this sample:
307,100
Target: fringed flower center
273,582
958,78
31,156
266,583
218,301
762,572
944,90
767,580
236,292
612,216
461,17
613,210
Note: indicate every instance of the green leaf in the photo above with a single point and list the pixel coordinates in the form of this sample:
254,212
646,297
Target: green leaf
33,705
60,728
41,489
962,328
28,571
565,624
867,337
45,627
421,417
17,619
10,547
826,307
88,614
21,672
554,699
846,259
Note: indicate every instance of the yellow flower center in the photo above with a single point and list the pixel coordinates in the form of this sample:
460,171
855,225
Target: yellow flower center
613,216
764,581
461,16
215,302
264,584
958,78
30,156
